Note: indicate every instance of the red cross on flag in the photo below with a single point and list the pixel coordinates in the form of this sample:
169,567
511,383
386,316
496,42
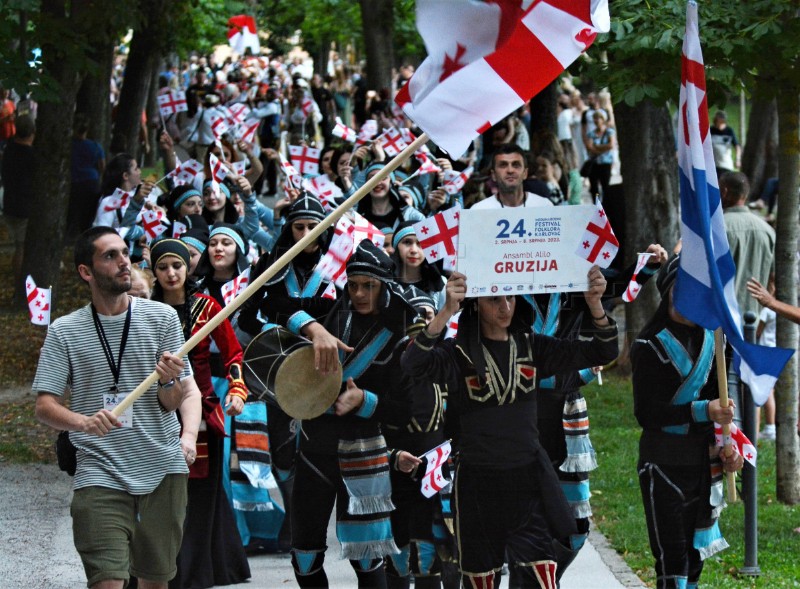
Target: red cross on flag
305,158
294,179
472,77
238,112
598,245
247,133
38,302
219,124
178,229
219,171
363,229
454,181
239,168
438,237
307,105
344,132
333,264
330,292
434,480
632,291
187,172
326,191
368,130
243,34
452,326
231,289
426,164
738,442
172,102
392,142
152,225
118,200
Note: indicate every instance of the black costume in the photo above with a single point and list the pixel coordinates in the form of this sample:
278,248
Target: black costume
507,498
344,459
673,382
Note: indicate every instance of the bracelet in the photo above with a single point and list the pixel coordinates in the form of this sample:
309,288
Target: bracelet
596,319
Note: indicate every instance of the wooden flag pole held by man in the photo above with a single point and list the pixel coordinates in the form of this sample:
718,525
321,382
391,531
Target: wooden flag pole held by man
722,382
310,237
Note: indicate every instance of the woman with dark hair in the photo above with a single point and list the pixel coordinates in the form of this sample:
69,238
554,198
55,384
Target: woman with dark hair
122,172
412,269
298,279
183,201
212,552
224,259
508,504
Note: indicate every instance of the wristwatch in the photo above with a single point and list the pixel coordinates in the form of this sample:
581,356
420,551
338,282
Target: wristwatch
169,384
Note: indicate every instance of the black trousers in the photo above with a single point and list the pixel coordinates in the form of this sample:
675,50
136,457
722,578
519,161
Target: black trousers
502,512
674,499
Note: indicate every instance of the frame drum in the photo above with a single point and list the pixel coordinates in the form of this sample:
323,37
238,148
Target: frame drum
279,368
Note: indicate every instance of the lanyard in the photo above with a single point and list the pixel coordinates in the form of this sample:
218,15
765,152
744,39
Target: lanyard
116,367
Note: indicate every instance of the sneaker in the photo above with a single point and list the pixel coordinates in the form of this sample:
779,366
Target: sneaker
757,204
768,435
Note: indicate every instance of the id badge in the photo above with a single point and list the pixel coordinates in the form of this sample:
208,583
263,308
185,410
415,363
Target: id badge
111,400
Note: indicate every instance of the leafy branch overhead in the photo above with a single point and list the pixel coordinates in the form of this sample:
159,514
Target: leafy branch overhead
756,41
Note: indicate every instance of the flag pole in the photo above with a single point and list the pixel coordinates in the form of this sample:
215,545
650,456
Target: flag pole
722,382
276,266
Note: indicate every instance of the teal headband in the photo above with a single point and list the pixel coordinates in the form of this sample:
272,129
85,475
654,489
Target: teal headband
401,234
195,243
230,233
185,196
223,187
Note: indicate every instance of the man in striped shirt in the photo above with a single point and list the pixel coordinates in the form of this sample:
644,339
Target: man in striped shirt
130,482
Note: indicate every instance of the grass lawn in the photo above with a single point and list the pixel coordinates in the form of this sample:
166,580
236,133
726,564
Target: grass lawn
618,513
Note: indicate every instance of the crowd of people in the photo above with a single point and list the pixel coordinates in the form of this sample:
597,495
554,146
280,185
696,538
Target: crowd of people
186,473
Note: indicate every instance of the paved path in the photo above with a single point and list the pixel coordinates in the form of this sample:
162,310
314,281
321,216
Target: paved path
37,550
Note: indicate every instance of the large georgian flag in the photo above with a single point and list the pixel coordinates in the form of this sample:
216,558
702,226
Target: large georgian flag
704,291
490,59
243,34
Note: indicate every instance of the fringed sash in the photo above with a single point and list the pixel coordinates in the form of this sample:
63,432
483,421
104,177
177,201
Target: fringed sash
575,420
364,465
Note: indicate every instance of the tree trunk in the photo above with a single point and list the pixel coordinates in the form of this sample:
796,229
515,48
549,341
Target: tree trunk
543,109
759,158
649,166
153,121
93,96
377,18
143,58
787,452
43,241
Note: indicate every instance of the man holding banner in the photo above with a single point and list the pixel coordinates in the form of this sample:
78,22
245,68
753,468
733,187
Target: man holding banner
508,503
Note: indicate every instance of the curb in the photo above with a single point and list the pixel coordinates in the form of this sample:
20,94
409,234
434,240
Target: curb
618,567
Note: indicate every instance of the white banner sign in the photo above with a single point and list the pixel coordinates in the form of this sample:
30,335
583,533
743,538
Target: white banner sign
525,250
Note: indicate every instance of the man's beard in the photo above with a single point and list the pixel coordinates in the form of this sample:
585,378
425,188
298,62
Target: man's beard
112,285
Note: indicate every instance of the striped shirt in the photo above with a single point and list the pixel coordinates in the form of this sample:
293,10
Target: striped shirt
131,459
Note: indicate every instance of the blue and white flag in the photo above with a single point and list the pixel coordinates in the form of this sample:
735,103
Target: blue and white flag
704,291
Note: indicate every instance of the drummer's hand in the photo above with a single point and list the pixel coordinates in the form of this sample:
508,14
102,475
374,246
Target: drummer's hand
351,398
407,462
326,348
234,405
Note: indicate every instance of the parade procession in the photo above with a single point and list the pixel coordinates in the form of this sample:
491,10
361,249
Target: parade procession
324,294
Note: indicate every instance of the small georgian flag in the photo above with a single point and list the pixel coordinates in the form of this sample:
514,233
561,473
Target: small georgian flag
434,480
231,289
738,442
38,302
598,244
632,291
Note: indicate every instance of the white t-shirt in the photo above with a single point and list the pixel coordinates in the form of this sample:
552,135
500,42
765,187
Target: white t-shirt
767,338
531,200
564,121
